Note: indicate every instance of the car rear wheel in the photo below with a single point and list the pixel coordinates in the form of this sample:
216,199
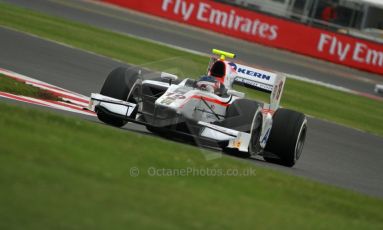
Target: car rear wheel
119,85
287,137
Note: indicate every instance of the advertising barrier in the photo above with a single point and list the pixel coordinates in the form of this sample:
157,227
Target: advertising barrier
266,30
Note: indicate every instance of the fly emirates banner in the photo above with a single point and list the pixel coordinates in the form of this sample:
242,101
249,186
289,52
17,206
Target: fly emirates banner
266,30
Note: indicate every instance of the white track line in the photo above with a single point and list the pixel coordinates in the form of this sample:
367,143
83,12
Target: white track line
72,102
334,87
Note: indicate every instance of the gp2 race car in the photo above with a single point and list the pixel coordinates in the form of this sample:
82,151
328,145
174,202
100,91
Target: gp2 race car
207,111
379,88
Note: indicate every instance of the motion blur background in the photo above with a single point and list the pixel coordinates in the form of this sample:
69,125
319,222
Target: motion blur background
359,18
345,32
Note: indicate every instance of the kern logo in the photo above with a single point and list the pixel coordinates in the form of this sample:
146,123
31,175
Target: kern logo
249,72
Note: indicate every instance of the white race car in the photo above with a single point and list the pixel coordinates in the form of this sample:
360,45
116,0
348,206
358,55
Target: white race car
379,88
207,111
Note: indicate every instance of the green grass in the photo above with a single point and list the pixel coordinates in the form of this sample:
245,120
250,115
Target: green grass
59,172
321,102
13,86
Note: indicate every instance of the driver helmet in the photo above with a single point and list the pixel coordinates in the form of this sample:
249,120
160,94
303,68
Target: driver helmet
209,83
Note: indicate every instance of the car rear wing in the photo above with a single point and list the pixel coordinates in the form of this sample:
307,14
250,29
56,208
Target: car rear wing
269,82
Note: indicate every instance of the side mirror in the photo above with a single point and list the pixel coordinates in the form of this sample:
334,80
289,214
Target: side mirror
169,77
235,93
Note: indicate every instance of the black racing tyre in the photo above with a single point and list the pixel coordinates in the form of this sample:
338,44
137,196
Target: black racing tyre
114,121
118,85
287,137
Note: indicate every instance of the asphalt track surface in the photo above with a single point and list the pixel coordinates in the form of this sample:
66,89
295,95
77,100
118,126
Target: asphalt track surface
333,154
196,39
